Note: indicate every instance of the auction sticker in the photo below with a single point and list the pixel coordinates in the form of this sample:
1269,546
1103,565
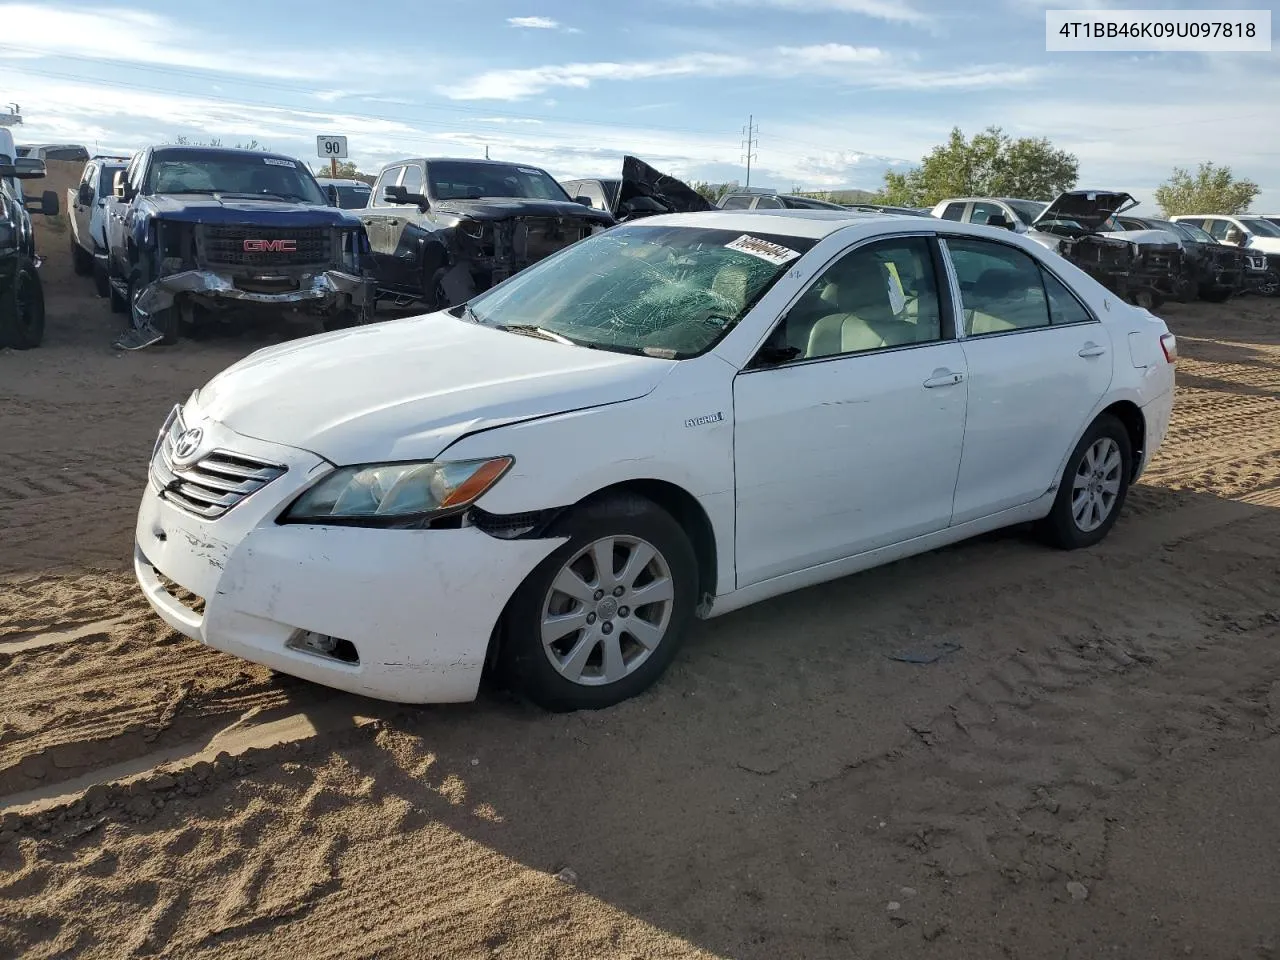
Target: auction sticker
280,163
774,253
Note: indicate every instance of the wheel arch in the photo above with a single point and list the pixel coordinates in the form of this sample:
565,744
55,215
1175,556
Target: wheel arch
1135,424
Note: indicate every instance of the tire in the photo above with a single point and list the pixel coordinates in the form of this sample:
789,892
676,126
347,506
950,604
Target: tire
101,281
167,322
1105,440
1268,285
1216,294
633,524
119,304
22,310
81,259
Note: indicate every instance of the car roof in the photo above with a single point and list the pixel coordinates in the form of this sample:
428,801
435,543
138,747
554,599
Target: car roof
229,151
473,160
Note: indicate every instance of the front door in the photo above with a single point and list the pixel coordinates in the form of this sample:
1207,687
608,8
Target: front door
855,442
1038,362
82,213
404,252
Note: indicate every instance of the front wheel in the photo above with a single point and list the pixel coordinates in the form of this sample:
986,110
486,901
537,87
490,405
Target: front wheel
1093,488
1268,285
600,619
22,310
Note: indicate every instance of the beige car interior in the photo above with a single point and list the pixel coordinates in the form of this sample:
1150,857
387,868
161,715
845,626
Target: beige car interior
1001,300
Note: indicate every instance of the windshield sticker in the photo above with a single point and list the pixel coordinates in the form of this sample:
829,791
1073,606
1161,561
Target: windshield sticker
280,163
530,171
774,253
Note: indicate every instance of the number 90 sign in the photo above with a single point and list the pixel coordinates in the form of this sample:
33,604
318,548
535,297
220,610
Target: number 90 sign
331,147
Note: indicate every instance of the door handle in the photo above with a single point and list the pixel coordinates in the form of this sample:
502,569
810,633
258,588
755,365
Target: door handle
1092,350
943,378
393,223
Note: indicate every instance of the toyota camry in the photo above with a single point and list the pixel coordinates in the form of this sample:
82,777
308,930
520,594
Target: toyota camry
669,420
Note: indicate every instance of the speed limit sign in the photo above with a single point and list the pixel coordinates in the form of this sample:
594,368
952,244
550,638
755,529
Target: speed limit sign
331,148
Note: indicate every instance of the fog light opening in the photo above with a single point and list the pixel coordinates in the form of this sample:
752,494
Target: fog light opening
323,645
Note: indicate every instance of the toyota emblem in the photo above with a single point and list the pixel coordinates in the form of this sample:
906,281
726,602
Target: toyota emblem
188,443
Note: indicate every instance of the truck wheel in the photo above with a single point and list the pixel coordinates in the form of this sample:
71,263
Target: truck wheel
1268,285
22,310
81,259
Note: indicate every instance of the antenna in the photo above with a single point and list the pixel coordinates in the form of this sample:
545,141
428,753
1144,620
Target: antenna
750,141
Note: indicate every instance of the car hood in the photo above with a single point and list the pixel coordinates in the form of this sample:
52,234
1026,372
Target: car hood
1089,208
407,389
237,210
1264,244
506,208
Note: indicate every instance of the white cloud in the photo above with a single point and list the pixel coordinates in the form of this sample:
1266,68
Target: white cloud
849,66
533,23
892,11
525,120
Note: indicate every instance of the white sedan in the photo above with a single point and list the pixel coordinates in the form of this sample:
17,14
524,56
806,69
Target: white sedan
674,418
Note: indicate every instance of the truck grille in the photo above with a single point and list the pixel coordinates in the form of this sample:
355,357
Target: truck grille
533,238
211,485
226,246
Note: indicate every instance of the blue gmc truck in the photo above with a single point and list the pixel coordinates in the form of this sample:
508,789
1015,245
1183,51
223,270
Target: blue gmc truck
201,234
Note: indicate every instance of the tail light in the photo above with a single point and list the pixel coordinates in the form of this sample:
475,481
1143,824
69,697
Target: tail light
1169,344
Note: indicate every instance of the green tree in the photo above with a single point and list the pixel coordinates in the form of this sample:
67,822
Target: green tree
714,191
347,170
991,164
1212,189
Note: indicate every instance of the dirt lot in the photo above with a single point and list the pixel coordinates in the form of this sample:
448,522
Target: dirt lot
1095,772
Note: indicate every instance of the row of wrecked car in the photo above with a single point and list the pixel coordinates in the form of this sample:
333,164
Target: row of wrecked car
182,236
1144,260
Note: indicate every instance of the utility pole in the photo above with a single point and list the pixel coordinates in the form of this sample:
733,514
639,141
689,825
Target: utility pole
486,151
750,141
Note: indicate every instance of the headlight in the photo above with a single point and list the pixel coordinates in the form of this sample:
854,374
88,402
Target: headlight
393,494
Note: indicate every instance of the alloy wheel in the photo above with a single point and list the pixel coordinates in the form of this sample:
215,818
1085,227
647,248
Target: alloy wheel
607,610
1096,485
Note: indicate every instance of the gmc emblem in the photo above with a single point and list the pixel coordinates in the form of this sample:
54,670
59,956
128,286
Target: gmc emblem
271,246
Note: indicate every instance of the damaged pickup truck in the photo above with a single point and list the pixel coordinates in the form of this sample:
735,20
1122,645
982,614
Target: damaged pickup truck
443,230
1142,267
203,234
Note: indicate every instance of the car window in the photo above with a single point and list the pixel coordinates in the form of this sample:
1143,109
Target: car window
1064,307
1217,228
768,203
668,291
387,178
982,212
475,180
90,169
954,211
1000,287
876,297
412,180
591,190
737,203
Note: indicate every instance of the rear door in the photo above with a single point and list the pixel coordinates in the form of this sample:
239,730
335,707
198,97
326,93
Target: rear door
1038,363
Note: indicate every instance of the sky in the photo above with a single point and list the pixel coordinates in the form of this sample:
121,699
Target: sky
841,90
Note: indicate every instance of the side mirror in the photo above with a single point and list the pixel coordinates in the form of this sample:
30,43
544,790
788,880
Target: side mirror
331,192
49,203
85,194
26,168
7,170
585,201
401,195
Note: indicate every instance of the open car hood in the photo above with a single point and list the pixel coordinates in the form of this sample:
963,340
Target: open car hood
1089,208
641,180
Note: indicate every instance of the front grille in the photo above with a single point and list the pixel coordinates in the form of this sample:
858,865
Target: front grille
533,238
213,483
225,246
1256,261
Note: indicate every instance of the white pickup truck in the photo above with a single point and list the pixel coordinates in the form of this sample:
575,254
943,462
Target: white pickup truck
87,208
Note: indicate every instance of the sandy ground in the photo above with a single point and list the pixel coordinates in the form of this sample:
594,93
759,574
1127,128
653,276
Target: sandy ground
1094,773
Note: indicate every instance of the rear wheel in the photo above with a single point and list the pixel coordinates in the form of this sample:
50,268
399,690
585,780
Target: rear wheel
22,310
1094,485
600,619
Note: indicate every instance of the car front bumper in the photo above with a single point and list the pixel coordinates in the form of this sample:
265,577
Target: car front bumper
419,606
332,289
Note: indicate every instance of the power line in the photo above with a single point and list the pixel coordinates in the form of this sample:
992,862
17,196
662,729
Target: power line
749,143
